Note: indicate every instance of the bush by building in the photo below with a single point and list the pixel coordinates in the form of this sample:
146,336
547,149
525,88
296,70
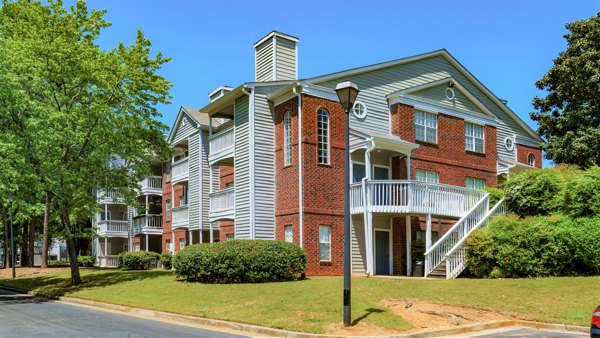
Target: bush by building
138,260
87,261
166,259
535,192
510,247
240,261
581,197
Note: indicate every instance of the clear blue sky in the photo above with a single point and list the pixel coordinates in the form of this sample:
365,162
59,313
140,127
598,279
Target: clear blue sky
507,44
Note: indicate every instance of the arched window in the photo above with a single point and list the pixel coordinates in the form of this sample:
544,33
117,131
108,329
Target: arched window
531,160
287,138
323,136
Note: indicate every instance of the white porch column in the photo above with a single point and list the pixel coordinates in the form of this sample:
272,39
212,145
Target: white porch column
408,246
370,243
106,215
172,241
428,233
366,222
146,242
191,237
211,232
408,167
105,246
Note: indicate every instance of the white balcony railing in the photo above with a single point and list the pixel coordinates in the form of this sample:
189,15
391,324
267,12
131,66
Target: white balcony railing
180,170
221,145
151,185
413,197
111,227
180,217
113,196
222,204
147,224
108,261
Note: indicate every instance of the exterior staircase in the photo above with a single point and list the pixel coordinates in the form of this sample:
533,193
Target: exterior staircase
446,258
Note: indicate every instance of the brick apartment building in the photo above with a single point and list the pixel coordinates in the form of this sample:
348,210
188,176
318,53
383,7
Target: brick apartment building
265,160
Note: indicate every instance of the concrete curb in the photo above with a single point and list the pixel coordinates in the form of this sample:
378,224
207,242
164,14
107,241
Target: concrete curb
261,331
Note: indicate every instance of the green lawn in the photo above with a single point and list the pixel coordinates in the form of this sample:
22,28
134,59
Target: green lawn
312,305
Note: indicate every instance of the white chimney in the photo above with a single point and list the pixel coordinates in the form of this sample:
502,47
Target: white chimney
276,57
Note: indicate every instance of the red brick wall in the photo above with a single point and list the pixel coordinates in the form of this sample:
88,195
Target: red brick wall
167,195
448,157
523,155
226,176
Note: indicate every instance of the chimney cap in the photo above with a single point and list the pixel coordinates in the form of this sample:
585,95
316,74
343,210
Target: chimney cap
276,33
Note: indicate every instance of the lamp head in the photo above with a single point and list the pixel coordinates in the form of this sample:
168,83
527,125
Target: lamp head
347,93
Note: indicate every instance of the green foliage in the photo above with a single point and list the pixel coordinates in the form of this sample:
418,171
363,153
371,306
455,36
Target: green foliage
138,260
166,260
582,196
568,115
240,261
495,195
87,261
417,250
510,247
534,192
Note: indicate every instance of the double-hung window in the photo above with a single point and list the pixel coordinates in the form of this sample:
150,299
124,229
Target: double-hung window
475,183
473,137
324,242
184,196
323,136
531,160
168,209
287,138
425,126
427,176
289,235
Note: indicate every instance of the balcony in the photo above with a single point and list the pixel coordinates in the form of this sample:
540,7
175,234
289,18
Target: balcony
222,146
222,205
111,228
147,225
180,171
108,261
109,197
412,197
151,185
180,217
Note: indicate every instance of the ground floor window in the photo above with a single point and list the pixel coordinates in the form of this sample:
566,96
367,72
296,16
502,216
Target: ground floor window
229,236
289,235
168,245
434,236
475,183
181,244
325,242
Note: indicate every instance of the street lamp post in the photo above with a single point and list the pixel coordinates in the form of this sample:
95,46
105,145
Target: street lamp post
12,239
347,93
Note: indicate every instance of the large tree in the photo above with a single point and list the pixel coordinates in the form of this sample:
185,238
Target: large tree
76,108
569,115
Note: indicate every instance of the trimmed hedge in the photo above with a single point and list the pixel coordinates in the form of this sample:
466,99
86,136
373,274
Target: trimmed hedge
138,260
558,245
87,261
240,261
166,260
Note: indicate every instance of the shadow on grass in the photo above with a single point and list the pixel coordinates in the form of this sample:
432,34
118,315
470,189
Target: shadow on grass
368,312
55,286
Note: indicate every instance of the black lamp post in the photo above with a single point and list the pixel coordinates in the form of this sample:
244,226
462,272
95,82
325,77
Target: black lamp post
347,93
12,239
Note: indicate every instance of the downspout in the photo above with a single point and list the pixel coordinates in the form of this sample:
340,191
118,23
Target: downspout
367,212
300,165
250,93
200,185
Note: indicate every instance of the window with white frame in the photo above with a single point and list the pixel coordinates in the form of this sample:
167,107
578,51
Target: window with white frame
531,160
181,244
323,136
427,176
287,138
184,196
105,216
168,245
425,126
229,236
324,242
168,171
168,209
474,183
289,234
474,137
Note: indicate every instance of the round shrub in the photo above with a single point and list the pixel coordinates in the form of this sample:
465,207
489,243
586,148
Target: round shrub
240,261
138,260
166,260
87,261
582,198
510,247
534,192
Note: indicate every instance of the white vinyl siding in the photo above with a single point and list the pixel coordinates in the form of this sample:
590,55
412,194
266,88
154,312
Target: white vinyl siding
285,66
475,183
474,137
324,242
264,61
427,176
242,168
289,235
287,138
323,136
425,126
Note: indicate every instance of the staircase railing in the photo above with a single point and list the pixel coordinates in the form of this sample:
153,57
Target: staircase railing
437,253
456,258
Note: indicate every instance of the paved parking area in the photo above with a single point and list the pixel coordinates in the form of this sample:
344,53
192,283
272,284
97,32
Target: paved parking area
522,332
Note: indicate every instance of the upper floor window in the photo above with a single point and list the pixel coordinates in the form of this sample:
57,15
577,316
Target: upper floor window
184,196
475,183
425,126
168,209
531,160
427,176
473,137
323,136
287,138
168,171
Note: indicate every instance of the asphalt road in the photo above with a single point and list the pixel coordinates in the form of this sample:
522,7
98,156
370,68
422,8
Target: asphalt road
25,316
522,332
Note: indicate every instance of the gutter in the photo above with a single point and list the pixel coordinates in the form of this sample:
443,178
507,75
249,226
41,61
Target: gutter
367,225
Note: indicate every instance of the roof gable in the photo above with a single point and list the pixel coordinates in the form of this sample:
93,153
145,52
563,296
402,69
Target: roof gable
184,124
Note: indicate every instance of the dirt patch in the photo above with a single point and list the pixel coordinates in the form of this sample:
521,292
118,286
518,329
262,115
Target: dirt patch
360,329
423,314
7,273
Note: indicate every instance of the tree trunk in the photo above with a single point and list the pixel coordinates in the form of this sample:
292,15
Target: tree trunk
5,246
71,249
24,245
44,263
32,242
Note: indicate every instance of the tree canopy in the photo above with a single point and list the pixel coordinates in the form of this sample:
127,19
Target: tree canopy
69,108
569,115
